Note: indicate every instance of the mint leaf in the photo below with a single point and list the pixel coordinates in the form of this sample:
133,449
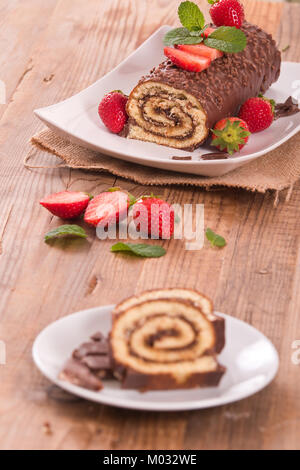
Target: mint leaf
140,249
191,16
215,239
227,39
66,231
181,36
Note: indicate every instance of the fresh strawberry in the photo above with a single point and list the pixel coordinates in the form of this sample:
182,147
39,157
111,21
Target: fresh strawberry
187,61
154,217
258,113
66,204
200,50
230,134
107,208
227,13
207,32
112,111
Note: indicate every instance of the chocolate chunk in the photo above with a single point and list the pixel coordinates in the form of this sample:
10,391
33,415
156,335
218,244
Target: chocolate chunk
89,363
288,108
96,362
214,156
181,158
79,374
98,336
90,348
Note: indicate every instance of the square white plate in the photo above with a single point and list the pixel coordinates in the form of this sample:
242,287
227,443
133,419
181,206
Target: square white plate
76,119
250,358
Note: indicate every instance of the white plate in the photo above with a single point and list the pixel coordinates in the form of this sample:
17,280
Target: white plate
250,358
77,120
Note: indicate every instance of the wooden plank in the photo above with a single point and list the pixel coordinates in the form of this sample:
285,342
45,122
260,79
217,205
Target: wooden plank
40,283
21,24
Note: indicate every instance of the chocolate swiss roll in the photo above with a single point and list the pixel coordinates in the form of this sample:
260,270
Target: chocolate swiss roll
198,299
177,108
164,344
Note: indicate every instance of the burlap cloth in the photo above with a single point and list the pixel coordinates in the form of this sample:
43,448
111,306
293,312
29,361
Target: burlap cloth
276,171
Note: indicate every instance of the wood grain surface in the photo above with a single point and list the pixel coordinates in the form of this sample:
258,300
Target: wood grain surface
49,51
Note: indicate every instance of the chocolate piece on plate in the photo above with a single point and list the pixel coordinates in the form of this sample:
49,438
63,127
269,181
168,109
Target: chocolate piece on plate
288,108
214,156
89,363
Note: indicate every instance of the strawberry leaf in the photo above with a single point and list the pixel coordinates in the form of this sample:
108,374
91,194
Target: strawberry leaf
139,249
214,238
227,39
66,231
191,16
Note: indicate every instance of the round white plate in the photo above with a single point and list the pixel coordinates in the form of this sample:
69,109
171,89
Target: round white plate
76,119
250,358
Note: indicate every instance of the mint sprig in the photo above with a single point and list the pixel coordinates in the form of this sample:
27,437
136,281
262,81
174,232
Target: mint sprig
227,39
191,17
214,238
181,36
139,249
66,231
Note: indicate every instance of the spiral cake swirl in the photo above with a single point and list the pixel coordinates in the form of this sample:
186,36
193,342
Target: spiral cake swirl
163,344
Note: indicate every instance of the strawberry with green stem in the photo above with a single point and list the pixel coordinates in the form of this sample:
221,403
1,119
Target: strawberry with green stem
230,134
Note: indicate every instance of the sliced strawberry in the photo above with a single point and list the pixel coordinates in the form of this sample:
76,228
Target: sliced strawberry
207,32
107,208
187,61
66,204
200,50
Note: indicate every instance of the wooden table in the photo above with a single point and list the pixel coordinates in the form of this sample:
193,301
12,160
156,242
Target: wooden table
49,51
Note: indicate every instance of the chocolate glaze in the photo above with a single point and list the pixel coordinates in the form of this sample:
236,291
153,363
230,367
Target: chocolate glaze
145,382
229,80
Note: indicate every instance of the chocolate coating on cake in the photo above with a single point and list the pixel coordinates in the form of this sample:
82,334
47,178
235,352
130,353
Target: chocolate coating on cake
177,108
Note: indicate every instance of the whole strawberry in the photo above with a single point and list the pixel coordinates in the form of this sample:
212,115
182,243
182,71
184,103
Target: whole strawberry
227,13
258,113
154,217
112,111
230,134
66,204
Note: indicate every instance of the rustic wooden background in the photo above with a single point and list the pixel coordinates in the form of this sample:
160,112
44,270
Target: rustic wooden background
49,51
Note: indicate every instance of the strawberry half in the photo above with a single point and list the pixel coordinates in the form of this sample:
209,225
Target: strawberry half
186,61
230,134
66,204
200,50
207,32
107,208
154,217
